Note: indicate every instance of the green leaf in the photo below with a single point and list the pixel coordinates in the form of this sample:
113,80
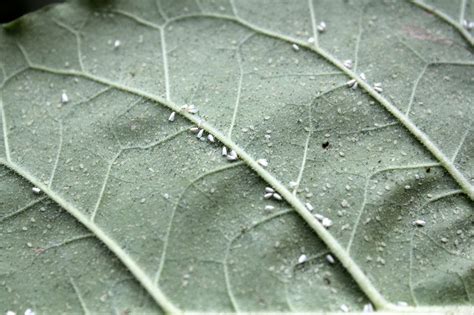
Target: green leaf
137,214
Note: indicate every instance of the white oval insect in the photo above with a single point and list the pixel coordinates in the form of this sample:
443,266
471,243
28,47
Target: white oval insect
302,259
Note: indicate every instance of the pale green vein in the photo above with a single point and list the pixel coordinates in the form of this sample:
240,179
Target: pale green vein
160,298
368,129
77,38
411,49
199,5
158,142
358,40
446,18
170,223
459,147
160,10
414,88
137,19
4,127
436,243
276,76
440,197
366,189
22,209
79,297
229,247
462,11
58,154
313,22
306,149
104,185
164,55
117,155
70,240
239,85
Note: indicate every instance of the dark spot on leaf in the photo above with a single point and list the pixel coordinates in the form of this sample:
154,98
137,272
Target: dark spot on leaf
325,144
327,280
428,169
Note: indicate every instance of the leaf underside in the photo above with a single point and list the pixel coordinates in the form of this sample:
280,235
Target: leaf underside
137,214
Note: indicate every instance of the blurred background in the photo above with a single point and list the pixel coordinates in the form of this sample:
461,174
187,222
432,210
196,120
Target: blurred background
12,9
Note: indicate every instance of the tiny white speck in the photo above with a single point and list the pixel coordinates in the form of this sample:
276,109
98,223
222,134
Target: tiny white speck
29,312
293,184
262,162
302,259
345,203
277,196
268,207
189,108
363,77
36,190
309,206
378,89
10,313
295,47
267,195
224,151
210,138
64,97
419,222
311,40
194,129
344,308
269,190
232,156
402,303
355,85
326,222
321,27
200,133
351,83
330,259
368,308
172,116
117,43
347,63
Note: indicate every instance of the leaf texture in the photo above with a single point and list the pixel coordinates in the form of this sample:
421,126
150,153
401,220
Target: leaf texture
136,214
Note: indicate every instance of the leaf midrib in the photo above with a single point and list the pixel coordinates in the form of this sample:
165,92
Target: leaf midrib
332,243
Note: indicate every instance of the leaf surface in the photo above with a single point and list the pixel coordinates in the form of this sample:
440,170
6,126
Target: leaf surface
138,214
